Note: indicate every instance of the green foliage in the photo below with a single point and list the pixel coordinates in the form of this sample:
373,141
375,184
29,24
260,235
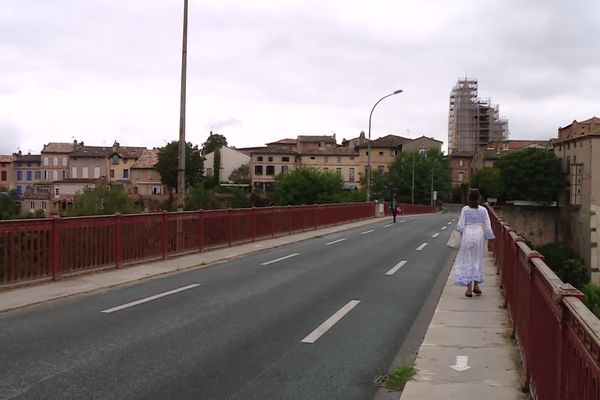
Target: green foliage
398,180
400,377
592,298
200,198
101,200
168,159
239,198
8,204
307,186
217,166
213,142
489,182
240,175
531,174
565,263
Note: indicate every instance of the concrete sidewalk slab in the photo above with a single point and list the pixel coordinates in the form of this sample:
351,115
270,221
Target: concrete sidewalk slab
476,330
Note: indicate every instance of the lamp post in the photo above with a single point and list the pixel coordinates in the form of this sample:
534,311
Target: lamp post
369,144
181,164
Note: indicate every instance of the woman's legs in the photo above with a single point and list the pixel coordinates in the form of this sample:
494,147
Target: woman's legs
476,289
469,292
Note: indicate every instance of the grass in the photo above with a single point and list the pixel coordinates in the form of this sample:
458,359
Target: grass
398,379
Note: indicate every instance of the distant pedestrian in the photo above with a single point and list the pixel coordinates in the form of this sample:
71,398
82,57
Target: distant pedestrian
475,227
394,207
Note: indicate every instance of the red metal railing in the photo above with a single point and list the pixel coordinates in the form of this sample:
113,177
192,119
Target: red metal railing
49,248
558,337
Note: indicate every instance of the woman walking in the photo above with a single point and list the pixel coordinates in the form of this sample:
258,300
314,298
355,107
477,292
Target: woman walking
475,227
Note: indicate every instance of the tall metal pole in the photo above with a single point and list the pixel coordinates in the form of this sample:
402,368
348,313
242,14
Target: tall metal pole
369,144
181,165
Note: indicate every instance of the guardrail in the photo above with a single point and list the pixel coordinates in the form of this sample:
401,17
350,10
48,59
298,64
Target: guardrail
557,336
49,248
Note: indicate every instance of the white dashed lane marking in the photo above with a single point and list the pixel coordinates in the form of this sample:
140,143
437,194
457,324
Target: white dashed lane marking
444,227
421,247
396,268
435,234
147,299
325,326
280,259
334,242
365,232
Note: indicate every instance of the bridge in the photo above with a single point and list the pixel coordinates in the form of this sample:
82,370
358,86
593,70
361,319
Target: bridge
557,336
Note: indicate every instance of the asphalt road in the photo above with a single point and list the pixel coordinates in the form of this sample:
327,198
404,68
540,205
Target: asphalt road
245,329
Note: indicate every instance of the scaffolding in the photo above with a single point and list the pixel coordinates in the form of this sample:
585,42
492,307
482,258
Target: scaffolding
472,121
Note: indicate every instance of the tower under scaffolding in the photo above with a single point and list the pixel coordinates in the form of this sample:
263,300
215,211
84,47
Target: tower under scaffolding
473,121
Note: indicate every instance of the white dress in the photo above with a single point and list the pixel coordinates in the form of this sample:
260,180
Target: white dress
475,227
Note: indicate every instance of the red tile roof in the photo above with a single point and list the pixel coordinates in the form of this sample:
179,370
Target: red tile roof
148,159
53,147
386,141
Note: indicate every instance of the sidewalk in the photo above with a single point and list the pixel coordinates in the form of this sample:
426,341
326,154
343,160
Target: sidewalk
473,335
11,299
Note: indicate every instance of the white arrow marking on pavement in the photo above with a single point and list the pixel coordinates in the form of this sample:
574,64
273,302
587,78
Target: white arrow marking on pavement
280,259
325,326
388,225
435,234
335,241
444,227
462,364
421,247
396,268
365,232
147,299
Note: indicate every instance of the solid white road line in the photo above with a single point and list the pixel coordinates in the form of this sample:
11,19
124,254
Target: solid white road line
421,247
365,232
325,326
335,241
279,259
396,268
435,234
147,299
444,227
388,225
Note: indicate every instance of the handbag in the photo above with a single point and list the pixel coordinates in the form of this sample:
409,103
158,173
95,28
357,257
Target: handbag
454,240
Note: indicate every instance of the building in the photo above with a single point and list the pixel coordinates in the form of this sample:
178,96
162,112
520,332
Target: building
63,192
314,142
6,171
268,162
343,160
120,160
460,169
146,184
422,144
487,156
578,148
472,121
383,152
231,159
55,160
26,172
355,141
87,162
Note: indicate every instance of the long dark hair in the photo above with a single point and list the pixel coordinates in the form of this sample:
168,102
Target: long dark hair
474,198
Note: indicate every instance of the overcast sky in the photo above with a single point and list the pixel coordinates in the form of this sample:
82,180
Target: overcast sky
258,71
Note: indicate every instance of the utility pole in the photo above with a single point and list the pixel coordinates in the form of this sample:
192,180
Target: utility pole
181,165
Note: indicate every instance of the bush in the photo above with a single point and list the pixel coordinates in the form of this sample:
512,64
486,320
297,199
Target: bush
592,298
565,263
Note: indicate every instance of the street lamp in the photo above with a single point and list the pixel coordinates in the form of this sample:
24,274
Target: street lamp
369,144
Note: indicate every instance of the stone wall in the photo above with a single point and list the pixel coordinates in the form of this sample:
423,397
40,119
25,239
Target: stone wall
539,225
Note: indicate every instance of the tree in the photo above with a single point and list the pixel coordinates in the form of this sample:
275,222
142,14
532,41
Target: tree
8,204
214,141
101,200
240,175
167,165
201,198
531,174
217,166
306,186
488,181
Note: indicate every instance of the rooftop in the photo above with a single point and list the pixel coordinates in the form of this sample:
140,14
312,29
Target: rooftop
283,141
386,141
148,159
91,151
6,159
316,138
331,151
54,147
273,150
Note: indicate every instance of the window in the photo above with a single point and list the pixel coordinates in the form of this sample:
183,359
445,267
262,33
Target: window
38,175
137,174
84,172
270,159
96,172
270,170
4,176
312,158
45,161
366,153
28,175
125,161
460,163
352,157
115,159
338,170
45,175
325,160
64,174
351,175
461,176
259,158
339,159
285,159
28,164
19,189
44,205
57,191
284,169
112,173
325,169
125,174
19,175
55,161
258,170
73,172
32,205
64,161
381,153
209,172
151,174
393,152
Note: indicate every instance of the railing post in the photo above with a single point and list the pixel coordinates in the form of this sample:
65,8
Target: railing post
201,231
315,217
229,227
55,247
164,241
118,240
289,209
272,221
565,290
253,223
